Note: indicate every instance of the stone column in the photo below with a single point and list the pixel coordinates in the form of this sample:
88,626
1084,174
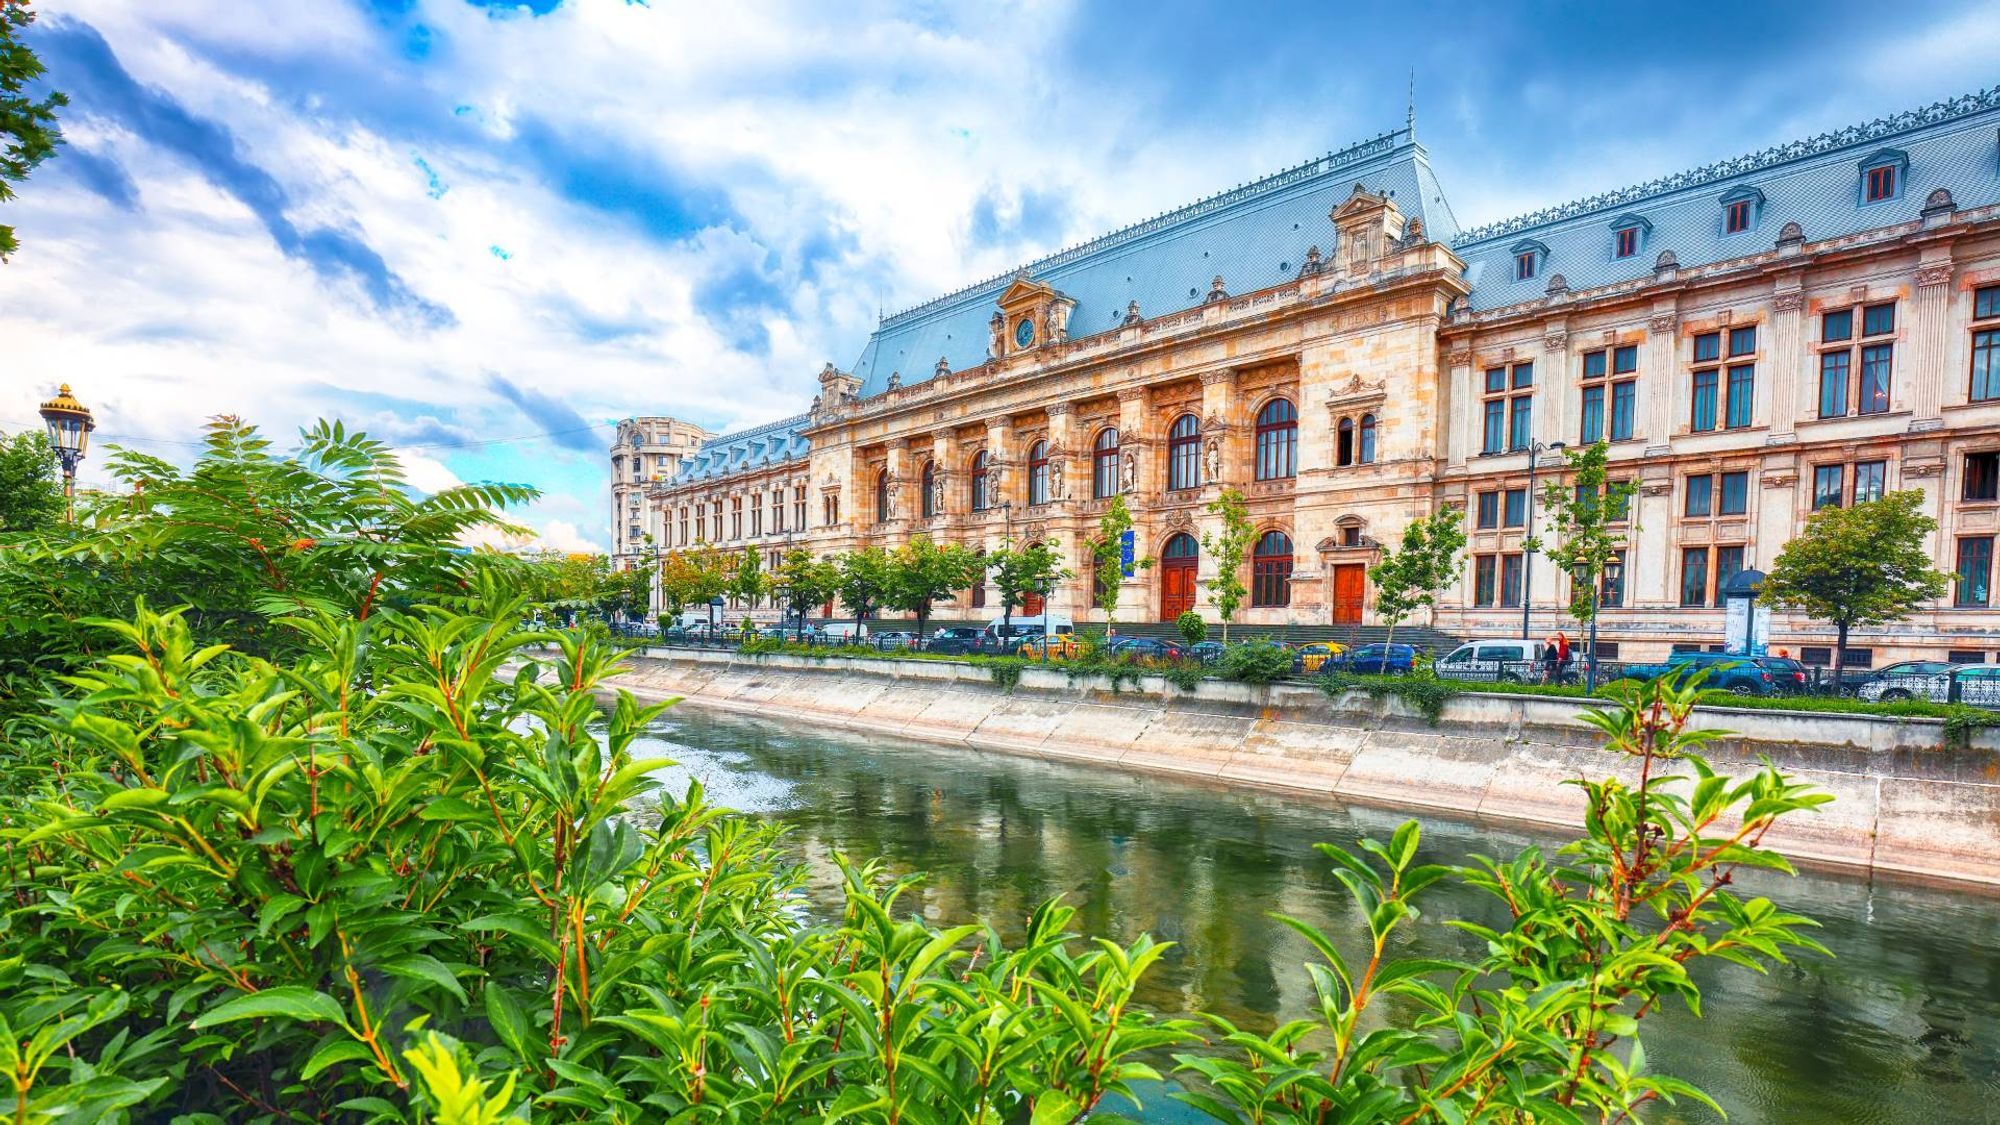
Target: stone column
1219,425
1650,558
1557,405
1062,463
945,458
1001,470
1926,377
1136,442
1662,381
1461,438
1786,368
1777,515
898,467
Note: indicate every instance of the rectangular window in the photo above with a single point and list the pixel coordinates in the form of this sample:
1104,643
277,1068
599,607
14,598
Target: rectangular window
1975,571
1982,477
1624,409
1985,366
1701,410
1700,497
1489,510
1517,508
1707,347
1520,422
1625,360
1728,564
1593,365
1833,377
1694,576
1881,183
1878,320
1816,656
1742,341
1510,580
1493,436
1735,494
1593,415
1496,380
1619,507
1484,583
1869,479
1873,396
1986,302
1965,656
1835,327
1742,395
1524,265
1828,481
1523,376
1628,242
1736,217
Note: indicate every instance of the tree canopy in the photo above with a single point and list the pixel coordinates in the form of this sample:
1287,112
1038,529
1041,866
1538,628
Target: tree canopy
31,497
1859,565
28,132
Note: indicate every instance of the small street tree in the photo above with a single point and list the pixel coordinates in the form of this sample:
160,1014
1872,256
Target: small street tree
864,581
1587,519
1017,573
1411,576
747,581
691,578
1227,547
922,573
1107,552
1864,565
805,582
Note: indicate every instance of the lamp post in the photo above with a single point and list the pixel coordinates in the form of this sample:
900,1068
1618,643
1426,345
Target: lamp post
69,424
1613,572
1535,450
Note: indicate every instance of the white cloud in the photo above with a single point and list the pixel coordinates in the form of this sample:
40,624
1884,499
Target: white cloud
426,474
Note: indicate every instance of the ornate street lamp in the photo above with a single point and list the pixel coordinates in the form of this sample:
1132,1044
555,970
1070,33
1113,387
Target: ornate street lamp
1613,574
1535,450
70,424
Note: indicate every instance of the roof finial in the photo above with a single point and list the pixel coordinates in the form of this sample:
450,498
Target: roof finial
1412,121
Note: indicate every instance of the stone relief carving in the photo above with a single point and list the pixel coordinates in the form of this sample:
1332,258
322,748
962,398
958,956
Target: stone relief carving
1058,320
1935,275
895,380
1211,460
1129,481
1313,265
1216,292
1217,378
996,336
1180,520
1661,323
1057,489
1132,317
943,367
937,494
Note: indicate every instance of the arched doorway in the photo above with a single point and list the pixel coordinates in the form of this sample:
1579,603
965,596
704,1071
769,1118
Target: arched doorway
1177,569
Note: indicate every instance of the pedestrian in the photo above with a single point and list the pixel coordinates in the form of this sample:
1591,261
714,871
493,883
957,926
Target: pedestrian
1551,658
1562,654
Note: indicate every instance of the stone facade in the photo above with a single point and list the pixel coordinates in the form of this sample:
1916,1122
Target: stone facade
1399,366
646,450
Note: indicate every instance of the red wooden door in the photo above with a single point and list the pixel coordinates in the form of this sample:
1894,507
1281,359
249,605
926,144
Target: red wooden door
1176,588
1031,605
1350,586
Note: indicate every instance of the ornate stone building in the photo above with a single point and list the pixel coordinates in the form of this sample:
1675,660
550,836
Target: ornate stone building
1803,326
646,450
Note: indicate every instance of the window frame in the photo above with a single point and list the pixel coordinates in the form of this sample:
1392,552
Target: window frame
1365,451
1184,453
1104,464
1988,474
1277,440
978,488
1981,597
1862,355
1985,345
1271,572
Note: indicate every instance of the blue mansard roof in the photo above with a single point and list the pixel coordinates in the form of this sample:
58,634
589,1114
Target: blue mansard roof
757,448
1253,236
1817,183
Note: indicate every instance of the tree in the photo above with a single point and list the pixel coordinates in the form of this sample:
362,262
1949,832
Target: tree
31,496
864,581
1107,550
806,582
747,582
1017,573
28,133
1410,577
1587,517
922,572
691,577
1864,565
1227,547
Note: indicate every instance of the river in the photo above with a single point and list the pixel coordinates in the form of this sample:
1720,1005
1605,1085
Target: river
1902,1025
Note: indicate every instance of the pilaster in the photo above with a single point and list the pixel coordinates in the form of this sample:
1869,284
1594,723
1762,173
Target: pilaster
1921,381
1662,390
1778,390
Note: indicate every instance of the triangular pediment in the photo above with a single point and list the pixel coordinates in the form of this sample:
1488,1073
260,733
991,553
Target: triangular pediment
1026,291
1360,202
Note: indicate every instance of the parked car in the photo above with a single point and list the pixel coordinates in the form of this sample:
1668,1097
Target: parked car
1310,658
956,633
1375,660
1977,684
894,638
1744,675
845,632
1148,650
1060,646
1508,661
1208,652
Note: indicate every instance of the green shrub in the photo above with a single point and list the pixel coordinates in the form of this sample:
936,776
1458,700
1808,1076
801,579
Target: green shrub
1005,670
1255,662
1426,693
1187,675
1193,629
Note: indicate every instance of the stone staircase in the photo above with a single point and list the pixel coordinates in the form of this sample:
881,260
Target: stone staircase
1350,635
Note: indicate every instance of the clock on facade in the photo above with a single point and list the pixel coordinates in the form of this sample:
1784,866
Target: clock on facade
1024,332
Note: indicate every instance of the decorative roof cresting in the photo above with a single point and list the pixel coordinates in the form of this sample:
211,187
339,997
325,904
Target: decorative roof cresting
1946,110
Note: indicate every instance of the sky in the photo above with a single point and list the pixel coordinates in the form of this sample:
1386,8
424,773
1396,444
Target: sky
485,230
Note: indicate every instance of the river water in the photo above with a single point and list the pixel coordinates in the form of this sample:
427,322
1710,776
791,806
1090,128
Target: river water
1902,1025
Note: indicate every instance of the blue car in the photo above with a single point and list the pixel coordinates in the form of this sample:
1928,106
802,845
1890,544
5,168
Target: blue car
1376,660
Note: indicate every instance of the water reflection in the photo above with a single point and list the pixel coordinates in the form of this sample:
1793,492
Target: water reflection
1903,1025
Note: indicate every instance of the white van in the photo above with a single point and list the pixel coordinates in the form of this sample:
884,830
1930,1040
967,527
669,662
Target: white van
837,632
1040,623
1488,661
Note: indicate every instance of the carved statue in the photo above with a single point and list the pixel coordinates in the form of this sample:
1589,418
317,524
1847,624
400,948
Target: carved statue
1211,461
1058,320
996,336
895,380
1131,476
1132,316
937,495
1056,480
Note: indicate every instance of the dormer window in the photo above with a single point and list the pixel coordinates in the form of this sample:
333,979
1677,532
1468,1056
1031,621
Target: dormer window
1528,259
1882,175
1628,233
1740,209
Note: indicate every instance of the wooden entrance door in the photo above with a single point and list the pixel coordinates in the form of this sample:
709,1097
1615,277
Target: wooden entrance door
1350,588
1177,571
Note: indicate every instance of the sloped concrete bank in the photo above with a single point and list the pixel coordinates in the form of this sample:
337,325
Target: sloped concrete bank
1904,804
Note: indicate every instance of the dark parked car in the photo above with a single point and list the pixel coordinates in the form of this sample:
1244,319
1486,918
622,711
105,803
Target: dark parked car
1149,650
1744,675
984,642
894,639
1208,652
1375,660
956,633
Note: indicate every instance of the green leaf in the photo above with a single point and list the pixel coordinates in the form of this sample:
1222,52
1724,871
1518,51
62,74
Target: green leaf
335,1051
290,1002
421,966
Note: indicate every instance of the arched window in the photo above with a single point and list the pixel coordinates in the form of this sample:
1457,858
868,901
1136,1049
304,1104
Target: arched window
1038,473
930,489
1104,464
882,496
1343,447
979,496
1271,570
1277,440
1367,453
1184,453
1181,546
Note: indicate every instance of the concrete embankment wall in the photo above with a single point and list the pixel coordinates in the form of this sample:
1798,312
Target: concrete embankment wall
1904,803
